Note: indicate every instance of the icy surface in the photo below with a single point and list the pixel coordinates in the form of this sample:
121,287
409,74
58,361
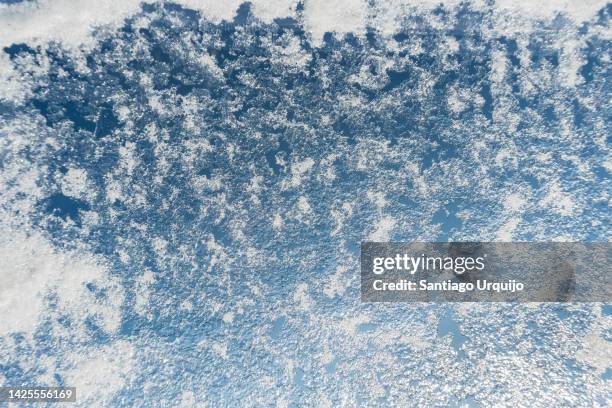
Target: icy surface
184,187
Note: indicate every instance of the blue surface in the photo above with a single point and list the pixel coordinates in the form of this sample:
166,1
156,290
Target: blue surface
214,206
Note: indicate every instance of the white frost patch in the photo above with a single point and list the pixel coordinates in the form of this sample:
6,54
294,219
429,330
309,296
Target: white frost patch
189,400
67,21
218,252
301,296
187,305
213,9
71,22
383,229
326,165
11,89
220,349
570,62
506,231
499,65
456,103
578,11
303,206
514,202
255,185
506,157
298,170
558,201
303,211
31,269
378,198
269,10
208,62
340,215
291,53
337,284
159,246
277,222
349,325
596,352
113,191
98,374
340,17
204,183
143,293
74,183
19,187
128,161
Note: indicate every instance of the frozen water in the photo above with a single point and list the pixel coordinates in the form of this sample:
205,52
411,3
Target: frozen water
184,188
